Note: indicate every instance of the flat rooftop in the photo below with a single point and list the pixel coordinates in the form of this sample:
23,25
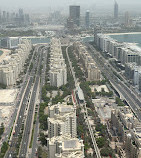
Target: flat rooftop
4,54
8,96
99,88
5,114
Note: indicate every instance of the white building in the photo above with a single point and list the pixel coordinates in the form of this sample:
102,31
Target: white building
123,52
62,120
58,70
137,74
65,147
12,64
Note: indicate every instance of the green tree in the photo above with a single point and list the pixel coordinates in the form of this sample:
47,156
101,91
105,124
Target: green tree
4,147
100,142
42,138
106,152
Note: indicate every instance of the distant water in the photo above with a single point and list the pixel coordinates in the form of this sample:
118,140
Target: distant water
88,39
129,38
1,52
36,40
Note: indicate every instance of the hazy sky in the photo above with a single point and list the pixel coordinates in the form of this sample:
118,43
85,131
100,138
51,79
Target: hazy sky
31,4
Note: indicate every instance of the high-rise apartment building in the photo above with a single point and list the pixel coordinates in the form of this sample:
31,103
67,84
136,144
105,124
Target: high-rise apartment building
58,69
12,64
116,10
75,14
62,120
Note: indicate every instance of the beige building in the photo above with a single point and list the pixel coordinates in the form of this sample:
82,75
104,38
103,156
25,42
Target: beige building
65,147
127,129
62,120
12,64
91,70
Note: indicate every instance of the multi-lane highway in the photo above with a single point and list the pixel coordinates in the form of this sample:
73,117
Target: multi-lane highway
30,115
29,121
25,113
42,83
18,101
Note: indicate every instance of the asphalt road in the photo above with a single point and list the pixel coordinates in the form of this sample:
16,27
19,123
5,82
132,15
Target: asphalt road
30,115
21,117
42,82
130,97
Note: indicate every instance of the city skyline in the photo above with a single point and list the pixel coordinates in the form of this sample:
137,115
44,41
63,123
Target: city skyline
52,5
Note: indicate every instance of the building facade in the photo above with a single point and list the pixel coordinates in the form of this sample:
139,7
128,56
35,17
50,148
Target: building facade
58,69
116,10
87,19
75,14
62,120
127,128
91,70
65,147
12,64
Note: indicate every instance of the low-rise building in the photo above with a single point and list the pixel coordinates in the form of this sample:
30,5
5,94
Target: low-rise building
10,42
65,147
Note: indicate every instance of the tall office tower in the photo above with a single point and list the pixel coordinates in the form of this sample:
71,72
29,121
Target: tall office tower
75,14
87,19
21,12
70,24
116,10
0,17
27,19
127,19
4,16
7,16
21,17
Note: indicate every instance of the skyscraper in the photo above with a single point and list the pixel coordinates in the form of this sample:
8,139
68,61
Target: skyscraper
127,19
75,14
116,10
87,19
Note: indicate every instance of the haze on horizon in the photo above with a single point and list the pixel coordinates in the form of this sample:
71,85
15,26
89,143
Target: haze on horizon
63,4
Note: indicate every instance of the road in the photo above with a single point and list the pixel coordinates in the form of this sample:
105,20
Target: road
42,82
97,151
20,94
130,97
26,102
31,111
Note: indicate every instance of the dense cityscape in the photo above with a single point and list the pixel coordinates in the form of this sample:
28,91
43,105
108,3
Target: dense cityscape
70,81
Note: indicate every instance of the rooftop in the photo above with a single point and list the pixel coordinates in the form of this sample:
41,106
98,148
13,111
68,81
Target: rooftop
8,96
